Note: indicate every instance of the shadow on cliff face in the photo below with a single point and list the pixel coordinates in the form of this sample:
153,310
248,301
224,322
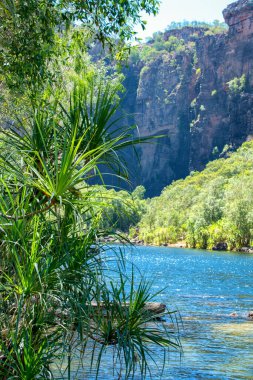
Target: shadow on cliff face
191,98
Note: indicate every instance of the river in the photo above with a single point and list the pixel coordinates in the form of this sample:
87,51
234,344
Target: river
205,288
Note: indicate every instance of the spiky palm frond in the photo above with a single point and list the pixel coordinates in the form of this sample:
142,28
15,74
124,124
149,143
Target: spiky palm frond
51,266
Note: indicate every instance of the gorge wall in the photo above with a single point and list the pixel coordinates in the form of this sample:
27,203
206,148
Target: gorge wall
199,98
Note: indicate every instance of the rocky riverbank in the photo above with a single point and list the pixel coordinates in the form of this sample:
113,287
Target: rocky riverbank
179,244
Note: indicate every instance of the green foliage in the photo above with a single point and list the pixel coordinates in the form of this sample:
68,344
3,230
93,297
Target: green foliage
27,36
159,44
174,44
194,103
210,207
139,193
121,210
52,267
215,151
214,27
29,31
236,85
72,67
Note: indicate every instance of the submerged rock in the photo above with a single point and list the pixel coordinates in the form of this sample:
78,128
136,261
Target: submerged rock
250,315
246,249
234,315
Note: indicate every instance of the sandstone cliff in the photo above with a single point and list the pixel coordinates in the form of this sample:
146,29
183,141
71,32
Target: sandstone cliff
199,98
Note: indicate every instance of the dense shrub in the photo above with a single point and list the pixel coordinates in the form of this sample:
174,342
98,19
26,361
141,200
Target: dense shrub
206,208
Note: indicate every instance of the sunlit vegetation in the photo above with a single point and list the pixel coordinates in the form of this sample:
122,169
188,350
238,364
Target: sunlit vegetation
236,86
121,211
214,27
159,46
58,113
162,43
209,207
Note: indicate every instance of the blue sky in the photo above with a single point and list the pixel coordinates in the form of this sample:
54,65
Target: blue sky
178,10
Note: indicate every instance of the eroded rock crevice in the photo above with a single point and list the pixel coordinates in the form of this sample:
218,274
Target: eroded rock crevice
200,99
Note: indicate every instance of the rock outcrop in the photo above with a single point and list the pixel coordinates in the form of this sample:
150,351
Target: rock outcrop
200,99
220,247
239,18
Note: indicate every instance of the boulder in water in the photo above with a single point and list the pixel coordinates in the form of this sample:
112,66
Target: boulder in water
250,315
220,247
246,249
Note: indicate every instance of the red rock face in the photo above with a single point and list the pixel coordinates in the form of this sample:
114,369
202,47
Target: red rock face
228,117
239,17
201,102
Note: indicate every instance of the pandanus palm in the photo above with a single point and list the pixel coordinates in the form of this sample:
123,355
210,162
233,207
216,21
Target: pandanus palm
51,267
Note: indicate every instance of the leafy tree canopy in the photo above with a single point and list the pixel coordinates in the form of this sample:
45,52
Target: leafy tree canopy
216,24
207,208
29,29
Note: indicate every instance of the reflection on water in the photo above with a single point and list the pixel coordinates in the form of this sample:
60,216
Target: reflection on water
213,292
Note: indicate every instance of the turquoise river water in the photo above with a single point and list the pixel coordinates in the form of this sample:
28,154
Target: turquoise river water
205,288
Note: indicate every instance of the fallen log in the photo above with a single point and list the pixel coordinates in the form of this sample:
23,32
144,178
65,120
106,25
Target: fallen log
154,308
